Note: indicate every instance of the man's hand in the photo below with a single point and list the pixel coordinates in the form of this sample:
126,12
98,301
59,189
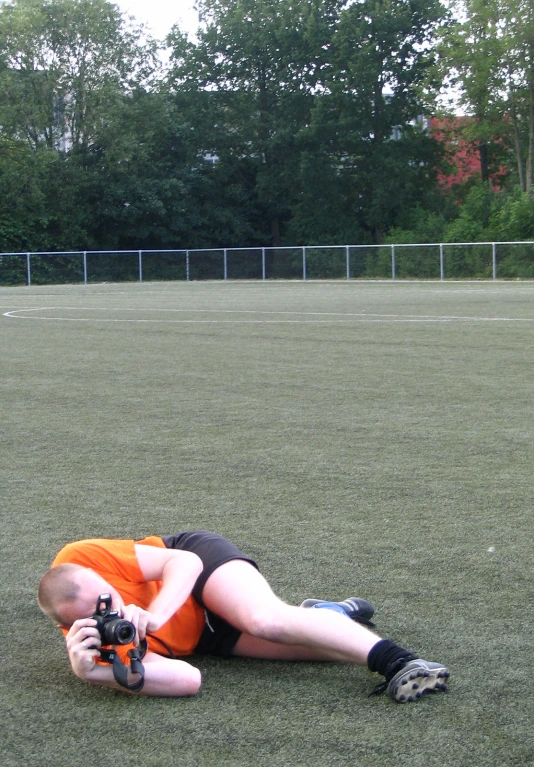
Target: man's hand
143,621
83,646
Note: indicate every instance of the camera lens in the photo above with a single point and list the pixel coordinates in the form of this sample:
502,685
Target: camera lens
125,633
119,631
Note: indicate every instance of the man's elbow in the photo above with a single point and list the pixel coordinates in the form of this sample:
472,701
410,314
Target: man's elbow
187,559
188,684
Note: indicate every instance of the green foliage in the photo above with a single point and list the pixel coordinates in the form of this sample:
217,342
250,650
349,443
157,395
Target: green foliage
380,61
24,177
484,216
514,220
310,96
253,73
65,64
424,226
487,215
474,217
489,50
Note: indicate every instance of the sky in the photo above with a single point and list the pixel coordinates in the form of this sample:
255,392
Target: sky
160,15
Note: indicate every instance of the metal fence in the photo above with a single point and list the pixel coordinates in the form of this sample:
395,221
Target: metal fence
433,261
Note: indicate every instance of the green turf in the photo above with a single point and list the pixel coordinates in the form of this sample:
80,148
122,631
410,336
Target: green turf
355,438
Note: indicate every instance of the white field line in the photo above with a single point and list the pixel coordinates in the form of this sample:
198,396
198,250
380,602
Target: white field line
332,317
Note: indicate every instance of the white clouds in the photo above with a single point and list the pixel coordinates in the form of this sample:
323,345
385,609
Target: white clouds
160,15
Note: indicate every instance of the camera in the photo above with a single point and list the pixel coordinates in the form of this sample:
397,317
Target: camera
112,628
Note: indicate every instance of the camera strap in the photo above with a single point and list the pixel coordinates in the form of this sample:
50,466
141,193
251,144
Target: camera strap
120,670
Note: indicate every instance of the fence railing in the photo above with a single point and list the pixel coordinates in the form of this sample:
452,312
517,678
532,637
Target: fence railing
432,261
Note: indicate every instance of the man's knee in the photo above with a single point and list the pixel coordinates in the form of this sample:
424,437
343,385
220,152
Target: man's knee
268,622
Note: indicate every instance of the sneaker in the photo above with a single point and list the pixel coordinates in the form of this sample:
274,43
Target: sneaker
415,679
355,608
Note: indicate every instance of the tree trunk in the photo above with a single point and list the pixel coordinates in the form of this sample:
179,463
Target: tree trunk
484,161
275,231
530,156
517,146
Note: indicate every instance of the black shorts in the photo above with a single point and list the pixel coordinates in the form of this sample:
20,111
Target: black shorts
219,637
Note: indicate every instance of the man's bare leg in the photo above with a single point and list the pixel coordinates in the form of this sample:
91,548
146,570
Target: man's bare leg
240,594
274,630
249,646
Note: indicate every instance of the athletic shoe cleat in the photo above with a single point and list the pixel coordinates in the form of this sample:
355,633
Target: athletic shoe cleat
415,679
355,608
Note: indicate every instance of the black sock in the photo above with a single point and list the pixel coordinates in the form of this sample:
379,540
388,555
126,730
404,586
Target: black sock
386,657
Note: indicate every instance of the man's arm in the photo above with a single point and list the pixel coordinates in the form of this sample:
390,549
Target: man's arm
178,572
163,676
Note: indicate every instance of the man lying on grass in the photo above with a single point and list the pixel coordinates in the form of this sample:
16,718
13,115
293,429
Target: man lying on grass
197,593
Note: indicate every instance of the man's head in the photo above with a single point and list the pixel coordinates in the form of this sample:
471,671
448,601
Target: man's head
68,592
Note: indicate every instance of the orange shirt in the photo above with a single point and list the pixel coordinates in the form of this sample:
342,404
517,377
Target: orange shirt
116,562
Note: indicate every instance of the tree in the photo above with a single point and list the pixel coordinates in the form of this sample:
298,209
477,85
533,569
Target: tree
369,118
64,64
23,184
91,135
519,62
321,100
256,67
491,51
473,48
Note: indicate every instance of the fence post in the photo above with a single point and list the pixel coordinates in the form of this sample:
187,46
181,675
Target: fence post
393,262
85,267
263,271
225,262
441,263
494,259
28,270
304,263
140,266
187,265
347,258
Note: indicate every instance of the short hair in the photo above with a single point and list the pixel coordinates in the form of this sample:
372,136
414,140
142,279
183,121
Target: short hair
57,586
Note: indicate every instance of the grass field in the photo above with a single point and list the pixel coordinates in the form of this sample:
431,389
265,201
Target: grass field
355,438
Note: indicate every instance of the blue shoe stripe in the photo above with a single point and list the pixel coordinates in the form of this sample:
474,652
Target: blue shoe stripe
330,606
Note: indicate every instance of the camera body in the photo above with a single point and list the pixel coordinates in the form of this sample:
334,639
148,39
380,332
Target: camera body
112,628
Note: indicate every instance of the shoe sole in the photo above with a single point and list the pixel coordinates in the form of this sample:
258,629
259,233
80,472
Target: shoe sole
410,684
